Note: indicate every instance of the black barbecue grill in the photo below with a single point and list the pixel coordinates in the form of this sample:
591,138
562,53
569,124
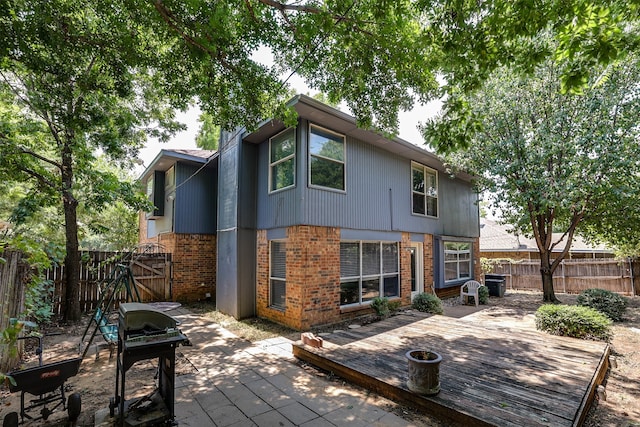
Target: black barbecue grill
146,333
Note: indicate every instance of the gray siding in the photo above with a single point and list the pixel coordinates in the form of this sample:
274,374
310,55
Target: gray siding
377,197
196,199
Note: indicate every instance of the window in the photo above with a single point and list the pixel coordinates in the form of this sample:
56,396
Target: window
457,261
282,160
278,275
368,270
326,159
425,190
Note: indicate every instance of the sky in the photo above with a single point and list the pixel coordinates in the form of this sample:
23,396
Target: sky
408,129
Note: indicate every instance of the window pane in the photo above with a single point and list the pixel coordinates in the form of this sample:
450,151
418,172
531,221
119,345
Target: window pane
370,259
282,174
326,144
391,286
278,260
450,256
283,145
432,206
450,271
389,258
370,289
418,180
432,185
465,269
278,293
327,173
418,203
349,259
349,292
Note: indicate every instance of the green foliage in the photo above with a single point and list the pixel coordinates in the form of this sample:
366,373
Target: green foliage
39,300
381,306
208,135
427,303
573,321
488,264
557,162
606,302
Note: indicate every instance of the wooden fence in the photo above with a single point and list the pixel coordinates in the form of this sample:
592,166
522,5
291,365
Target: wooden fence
575,275
151,271
14,275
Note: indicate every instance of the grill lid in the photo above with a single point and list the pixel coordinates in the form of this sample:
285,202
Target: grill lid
135,316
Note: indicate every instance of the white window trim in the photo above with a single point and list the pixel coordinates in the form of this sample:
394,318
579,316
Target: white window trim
425,169
343,162
279,279
380,275
272,164
457,261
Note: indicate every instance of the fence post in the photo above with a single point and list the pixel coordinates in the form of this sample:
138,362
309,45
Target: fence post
564,280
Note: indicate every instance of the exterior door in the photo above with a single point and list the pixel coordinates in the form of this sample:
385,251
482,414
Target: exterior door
417,270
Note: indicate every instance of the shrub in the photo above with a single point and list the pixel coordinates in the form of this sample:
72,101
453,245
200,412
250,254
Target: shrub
427,303
606,302
381,306
573,321
483,295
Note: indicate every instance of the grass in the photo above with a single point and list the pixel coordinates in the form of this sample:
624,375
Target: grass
253,329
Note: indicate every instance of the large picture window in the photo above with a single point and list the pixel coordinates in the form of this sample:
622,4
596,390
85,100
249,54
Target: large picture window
425,190
368,270
326,159
282,160
457,261
278,275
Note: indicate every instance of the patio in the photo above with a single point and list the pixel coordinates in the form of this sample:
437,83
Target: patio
490,374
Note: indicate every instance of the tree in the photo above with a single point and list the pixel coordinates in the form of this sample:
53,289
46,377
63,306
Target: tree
208,135
557,161
381,57
74,80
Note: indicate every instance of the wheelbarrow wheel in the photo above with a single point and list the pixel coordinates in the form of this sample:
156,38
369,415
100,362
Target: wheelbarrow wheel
10,420
74,406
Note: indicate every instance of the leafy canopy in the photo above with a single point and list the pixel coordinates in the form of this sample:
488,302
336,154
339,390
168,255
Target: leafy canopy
553,161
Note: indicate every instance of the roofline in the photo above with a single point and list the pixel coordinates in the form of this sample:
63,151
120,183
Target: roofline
163,154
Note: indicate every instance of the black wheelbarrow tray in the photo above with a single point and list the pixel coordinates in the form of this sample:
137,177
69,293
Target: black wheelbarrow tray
46,383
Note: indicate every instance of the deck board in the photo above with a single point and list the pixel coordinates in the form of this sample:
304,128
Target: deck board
489,375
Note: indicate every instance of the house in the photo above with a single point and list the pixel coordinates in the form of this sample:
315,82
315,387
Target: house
307,225
497,241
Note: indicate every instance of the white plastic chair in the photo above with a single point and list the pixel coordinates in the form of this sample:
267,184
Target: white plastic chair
471,290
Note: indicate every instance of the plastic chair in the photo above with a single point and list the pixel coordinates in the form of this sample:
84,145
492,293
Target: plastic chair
471,291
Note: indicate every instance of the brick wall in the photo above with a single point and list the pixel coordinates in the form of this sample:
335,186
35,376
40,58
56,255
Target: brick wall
427,262
313,277
193,262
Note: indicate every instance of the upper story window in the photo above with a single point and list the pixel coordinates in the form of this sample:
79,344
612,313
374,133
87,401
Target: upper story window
425,190
326,159
282,160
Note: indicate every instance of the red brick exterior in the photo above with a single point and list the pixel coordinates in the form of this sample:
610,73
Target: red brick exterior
193,262
313,277
427,263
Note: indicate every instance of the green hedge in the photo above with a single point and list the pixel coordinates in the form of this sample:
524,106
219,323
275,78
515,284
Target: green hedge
427,303
573,321
606,302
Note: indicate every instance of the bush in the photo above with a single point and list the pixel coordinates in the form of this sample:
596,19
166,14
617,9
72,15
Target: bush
573,321
483,295
381,306
606,302
427,303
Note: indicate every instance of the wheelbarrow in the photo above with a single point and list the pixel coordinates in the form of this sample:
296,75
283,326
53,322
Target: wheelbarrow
46,384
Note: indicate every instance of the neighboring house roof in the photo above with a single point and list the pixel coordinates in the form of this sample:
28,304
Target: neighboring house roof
167,158
339,121
496,237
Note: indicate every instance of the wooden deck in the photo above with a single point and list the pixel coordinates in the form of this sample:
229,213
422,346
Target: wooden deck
489,375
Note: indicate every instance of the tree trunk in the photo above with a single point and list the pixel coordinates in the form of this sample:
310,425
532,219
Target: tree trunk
72,258
547,278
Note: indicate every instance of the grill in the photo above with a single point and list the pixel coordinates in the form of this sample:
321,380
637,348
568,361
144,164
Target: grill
145,333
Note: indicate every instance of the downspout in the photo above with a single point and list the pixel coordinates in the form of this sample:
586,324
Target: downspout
391,208
633,286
